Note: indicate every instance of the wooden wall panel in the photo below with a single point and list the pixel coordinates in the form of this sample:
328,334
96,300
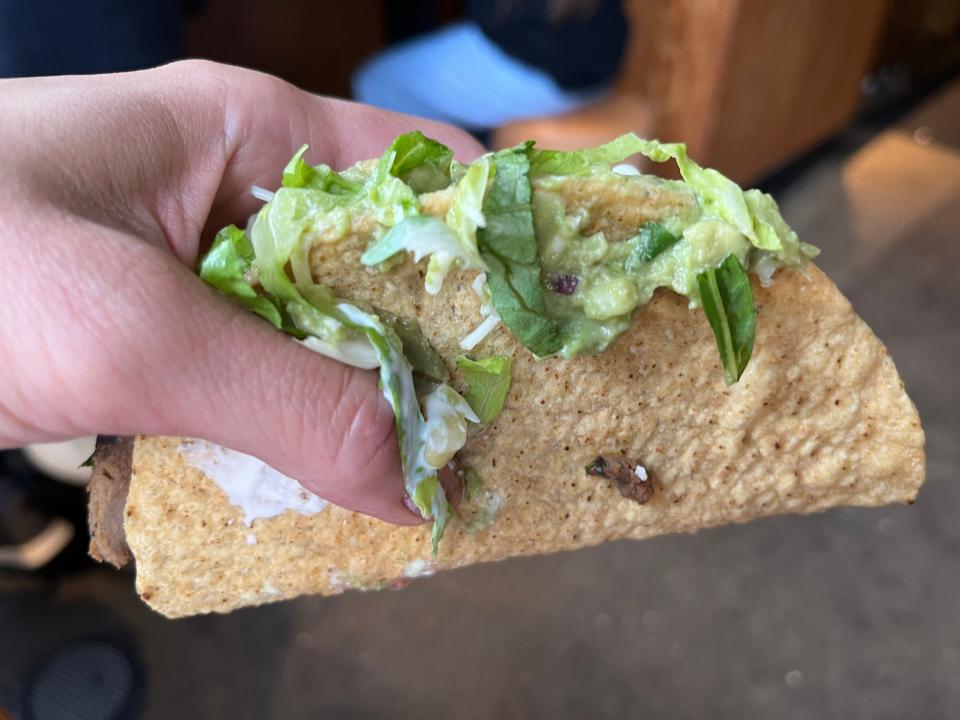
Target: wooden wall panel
748,84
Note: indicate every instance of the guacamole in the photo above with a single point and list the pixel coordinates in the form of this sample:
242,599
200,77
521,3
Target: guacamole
609,280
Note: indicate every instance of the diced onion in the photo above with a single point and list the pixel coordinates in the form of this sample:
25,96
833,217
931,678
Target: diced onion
491,318
481,331
261,193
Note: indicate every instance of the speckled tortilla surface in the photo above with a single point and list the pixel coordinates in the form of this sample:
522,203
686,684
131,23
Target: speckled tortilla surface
819,419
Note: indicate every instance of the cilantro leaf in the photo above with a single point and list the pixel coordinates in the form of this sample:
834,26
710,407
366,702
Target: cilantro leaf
652,240
728,304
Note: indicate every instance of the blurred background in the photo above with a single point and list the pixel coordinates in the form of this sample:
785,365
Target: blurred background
849,112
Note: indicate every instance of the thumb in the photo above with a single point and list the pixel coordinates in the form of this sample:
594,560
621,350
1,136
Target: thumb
159,352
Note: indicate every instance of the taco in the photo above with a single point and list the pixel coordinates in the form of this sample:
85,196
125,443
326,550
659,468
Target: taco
574,352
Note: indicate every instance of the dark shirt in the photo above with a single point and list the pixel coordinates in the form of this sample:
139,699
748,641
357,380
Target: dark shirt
580,50
65,37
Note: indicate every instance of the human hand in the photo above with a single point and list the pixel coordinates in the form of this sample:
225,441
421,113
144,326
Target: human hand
109,186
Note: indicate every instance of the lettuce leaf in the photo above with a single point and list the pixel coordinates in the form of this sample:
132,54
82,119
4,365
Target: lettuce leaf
489,382
359,337
396,381
421,235
721,196
299,174
226,267
576,162
464,217
420,162
319,201
509,249
425,360
753,213
390,199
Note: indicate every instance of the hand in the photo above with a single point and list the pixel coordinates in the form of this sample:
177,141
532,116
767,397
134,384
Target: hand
109,185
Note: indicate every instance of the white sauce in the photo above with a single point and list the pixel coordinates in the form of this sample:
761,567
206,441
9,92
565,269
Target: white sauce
251,539
250,484
358,352
418,568
641,472
625,169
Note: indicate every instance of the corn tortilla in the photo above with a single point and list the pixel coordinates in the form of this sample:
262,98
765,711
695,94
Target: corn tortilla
820,418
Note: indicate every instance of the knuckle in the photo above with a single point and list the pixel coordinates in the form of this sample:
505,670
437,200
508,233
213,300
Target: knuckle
197,69
365,448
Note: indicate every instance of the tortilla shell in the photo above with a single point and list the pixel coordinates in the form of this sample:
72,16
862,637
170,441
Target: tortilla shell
819,419
108,487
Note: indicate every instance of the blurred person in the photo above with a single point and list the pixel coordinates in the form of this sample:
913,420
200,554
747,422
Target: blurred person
59,37
109,186
508,60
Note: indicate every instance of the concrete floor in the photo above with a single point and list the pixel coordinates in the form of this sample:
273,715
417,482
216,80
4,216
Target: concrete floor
849,614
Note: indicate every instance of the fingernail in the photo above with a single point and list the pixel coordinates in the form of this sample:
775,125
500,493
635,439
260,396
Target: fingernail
412,507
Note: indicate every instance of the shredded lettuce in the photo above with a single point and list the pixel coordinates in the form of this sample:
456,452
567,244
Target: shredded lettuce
422,235
414,435
293,301
448,244
464,217
227,266
721,196
390,199
343,325
317,201
576,162
753,213
445,432
298,174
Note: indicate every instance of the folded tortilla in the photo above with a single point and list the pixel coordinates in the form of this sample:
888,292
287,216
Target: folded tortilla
820,418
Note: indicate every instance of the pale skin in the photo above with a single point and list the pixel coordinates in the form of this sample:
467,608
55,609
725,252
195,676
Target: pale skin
110,188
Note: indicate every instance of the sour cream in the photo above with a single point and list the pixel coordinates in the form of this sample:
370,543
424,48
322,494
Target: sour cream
250,484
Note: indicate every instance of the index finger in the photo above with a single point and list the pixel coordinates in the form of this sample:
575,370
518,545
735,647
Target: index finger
265,121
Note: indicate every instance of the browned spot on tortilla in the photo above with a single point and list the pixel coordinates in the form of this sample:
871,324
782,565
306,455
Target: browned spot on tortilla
623,472
451,479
